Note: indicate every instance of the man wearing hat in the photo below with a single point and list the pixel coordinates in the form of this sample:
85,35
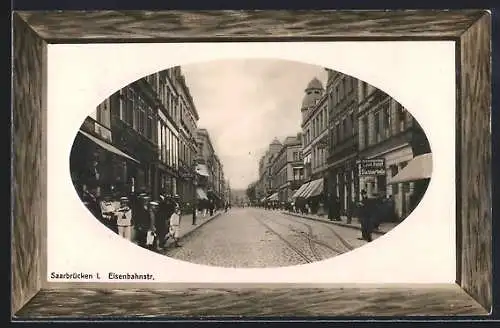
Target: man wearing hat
124,219
141,218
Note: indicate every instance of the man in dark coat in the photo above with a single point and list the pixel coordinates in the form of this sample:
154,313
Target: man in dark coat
366,209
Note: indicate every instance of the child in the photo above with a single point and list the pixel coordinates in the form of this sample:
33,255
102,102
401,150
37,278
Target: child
174,229
124,219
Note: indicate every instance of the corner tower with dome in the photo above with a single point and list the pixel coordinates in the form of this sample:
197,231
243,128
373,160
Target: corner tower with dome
314,109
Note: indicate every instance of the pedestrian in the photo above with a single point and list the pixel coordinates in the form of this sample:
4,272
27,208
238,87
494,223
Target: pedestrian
124,219
141,219
366,217
108,213
212,207
174,227
152,234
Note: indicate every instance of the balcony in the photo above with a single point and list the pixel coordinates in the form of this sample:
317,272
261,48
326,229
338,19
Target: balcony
97,129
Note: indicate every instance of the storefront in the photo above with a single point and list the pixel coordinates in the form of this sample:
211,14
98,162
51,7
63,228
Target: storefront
99,165
376,174
343,184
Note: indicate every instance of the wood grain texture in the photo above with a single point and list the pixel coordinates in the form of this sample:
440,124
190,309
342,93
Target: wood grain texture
154,25
475,157
410,301
29,157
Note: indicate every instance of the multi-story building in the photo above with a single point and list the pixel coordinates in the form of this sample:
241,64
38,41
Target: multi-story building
187,124
209,167
135,111
389,137
287,168
343,140
264,186
314,150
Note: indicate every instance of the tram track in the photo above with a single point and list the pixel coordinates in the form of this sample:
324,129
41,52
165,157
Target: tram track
289,244
308,236
314,240
348,246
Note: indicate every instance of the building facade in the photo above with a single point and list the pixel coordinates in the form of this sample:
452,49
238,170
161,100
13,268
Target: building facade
210,169
314,125
342,91
390,135
188,118
287,168
149,129
264,185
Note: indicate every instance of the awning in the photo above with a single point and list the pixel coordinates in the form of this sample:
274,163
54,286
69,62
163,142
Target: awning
313,186
317,189
300,190
202,169
200,194
273,197
107,146
263,199
418,168
306,190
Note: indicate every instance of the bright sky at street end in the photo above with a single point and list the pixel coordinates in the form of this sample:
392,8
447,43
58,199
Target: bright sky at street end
245,104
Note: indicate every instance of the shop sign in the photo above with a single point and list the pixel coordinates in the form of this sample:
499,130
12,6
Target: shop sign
371,167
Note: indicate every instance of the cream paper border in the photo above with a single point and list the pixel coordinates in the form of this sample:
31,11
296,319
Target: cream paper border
420,75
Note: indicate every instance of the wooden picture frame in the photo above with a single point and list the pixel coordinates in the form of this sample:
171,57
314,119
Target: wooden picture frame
469,29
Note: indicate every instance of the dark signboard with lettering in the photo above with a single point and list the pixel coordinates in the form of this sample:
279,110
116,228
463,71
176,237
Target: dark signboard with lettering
371,167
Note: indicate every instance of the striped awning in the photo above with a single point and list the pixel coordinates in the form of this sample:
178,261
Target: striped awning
310,188
300,190
316,189
273,197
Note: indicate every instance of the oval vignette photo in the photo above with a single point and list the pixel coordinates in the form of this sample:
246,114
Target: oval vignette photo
250,163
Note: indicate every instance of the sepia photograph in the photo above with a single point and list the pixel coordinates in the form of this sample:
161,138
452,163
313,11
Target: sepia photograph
250,163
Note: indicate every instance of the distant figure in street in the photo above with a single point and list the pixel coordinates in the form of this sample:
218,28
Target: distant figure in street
211,207
124,219
226,206
175,224
366,217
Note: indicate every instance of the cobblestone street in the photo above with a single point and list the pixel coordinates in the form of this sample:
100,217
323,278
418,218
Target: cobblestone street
252,237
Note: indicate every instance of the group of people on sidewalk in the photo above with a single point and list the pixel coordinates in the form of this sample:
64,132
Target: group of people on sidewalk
136,217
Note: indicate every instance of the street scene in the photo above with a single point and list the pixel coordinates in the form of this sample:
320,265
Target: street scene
253,238
250,163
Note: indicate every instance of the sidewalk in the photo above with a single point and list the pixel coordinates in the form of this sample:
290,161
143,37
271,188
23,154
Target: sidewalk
187,225
382,229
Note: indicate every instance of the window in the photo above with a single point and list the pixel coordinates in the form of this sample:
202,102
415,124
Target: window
365,131
348,85
353,124
342,129
376,126
337,133
149,125
401,115
386,122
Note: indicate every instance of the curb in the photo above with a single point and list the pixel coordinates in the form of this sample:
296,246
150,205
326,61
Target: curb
200,225
377,232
